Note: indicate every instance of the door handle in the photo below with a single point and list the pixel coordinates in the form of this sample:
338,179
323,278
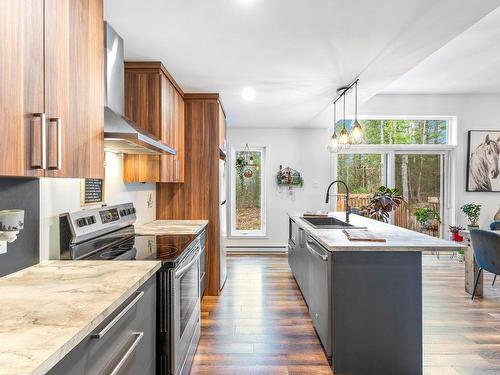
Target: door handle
41,162
314,252
58,123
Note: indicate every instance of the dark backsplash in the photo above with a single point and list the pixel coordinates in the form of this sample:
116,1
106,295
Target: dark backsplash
23,194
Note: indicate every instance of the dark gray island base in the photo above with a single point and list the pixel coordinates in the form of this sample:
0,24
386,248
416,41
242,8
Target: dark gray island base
377,313
364,298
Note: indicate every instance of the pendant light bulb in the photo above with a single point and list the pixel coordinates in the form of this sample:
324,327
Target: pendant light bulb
333,145
357,134
344,138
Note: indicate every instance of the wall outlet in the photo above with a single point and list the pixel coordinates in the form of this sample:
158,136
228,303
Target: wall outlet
3,247
315,184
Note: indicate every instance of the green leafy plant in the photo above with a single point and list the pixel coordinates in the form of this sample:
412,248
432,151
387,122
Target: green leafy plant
383,202
427,217
472,211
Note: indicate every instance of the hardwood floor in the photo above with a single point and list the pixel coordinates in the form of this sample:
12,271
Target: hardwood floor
260,325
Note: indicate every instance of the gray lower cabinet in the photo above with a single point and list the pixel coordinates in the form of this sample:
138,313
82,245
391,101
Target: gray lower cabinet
125,343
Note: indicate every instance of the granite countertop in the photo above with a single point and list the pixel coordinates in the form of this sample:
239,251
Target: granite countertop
397,239
166,227
47,309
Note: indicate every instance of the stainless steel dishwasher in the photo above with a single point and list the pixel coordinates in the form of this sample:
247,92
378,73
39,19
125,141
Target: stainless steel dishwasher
319,296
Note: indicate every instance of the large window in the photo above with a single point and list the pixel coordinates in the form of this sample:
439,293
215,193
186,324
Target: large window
394,155
247,191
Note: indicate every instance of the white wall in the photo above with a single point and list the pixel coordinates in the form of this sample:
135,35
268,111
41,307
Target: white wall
301,149
473,112
63,195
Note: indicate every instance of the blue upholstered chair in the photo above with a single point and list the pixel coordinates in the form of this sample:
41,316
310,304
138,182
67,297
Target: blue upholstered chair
495,225
486,245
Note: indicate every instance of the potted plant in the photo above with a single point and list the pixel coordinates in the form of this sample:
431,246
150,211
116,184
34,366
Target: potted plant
472,211
455,233
428,218
383,202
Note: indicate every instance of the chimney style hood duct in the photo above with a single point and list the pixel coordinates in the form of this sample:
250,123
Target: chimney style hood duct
120,133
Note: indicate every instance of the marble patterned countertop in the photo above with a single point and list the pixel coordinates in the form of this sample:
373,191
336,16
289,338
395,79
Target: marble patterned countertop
166,227
397,239
47,309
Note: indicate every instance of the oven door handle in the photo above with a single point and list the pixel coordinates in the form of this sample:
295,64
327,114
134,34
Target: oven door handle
183,270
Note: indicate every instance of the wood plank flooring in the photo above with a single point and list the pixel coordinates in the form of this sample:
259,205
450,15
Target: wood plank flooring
260,325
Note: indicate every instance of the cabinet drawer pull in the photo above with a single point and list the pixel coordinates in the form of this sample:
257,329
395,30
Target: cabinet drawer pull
58,163
42,163
130,350
118,317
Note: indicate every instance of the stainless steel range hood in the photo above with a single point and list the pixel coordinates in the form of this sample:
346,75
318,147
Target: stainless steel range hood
120,133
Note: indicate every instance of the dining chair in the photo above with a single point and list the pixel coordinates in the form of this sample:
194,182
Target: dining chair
486,245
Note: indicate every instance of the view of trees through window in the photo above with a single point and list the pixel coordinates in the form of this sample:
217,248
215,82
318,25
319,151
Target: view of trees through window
398,131
417,176
248,175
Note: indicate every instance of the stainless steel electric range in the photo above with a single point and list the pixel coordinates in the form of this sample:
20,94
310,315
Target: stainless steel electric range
107,233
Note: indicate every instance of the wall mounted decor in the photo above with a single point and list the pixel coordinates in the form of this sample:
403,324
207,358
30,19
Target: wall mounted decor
483,158
289,177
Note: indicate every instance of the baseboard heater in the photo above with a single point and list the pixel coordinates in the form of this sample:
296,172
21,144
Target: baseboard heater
256,249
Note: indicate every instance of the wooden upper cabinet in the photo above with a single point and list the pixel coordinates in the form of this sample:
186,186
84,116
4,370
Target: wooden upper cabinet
52,90
21,88
74,92
155,102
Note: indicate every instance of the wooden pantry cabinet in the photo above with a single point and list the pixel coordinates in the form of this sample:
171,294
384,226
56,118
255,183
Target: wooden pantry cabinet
156,103
52,88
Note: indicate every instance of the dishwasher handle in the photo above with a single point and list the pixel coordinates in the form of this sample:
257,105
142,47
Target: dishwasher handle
323,257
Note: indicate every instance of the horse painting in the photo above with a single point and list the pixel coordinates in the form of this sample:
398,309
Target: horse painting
484,163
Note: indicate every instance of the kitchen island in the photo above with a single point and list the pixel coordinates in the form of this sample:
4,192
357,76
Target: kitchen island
364,298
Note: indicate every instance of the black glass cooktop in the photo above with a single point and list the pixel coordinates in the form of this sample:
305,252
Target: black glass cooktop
125,245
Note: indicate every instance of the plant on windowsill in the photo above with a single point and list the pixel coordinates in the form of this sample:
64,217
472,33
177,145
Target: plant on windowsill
383,202
472,211
455,233
428,218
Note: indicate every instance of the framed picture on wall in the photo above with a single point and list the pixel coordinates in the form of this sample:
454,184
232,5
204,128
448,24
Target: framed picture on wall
483,158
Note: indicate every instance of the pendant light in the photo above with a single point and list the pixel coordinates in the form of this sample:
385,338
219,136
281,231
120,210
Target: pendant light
333,146
357,134
344,138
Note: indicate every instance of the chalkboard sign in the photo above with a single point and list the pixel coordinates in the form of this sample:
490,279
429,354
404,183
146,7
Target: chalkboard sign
92,191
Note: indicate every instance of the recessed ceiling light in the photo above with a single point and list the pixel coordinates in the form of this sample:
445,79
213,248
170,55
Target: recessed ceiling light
248,93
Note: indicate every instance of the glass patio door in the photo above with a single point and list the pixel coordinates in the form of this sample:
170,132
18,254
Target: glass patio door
420,179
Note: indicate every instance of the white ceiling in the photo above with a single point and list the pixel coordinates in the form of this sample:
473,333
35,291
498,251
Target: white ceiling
469,64
293,53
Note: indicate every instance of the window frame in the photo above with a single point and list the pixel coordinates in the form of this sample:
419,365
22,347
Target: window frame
389,152
233,232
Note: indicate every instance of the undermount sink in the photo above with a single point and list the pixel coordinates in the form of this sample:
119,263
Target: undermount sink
328,223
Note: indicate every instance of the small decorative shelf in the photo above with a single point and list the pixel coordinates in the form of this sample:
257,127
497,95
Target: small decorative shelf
289,177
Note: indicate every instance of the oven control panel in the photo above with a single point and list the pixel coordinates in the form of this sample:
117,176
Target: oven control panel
108,216
94,222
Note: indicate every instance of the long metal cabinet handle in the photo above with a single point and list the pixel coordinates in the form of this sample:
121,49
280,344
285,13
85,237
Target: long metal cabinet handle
58,122
43,139
110,325
130,350
322,256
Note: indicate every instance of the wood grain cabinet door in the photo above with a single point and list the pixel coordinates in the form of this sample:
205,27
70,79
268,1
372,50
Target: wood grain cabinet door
74,88
21,88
